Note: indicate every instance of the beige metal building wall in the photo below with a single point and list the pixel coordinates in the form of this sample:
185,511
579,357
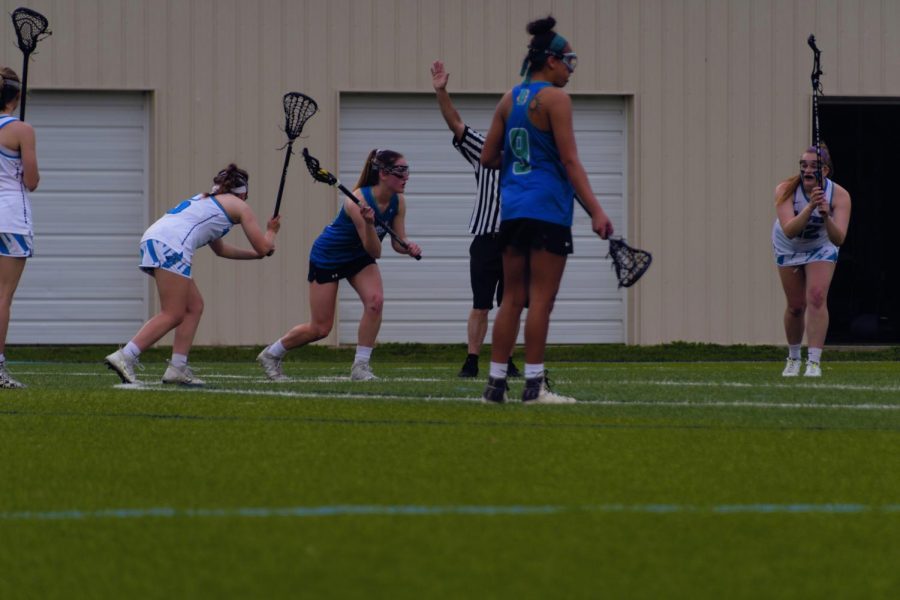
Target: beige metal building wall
720,111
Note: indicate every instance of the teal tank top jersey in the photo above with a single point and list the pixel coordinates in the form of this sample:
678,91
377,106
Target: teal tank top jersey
534,183
339,243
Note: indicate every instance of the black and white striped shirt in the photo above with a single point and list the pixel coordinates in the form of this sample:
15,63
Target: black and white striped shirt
486,213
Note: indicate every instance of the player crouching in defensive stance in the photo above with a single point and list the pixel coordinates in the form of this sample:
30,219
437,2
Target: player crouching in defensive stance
348,248
811,223
167,248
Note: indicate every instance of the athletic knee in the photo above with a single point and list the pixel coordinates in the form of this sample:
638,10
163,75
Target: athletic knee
196,307
374,303
796,309
817,297
320,330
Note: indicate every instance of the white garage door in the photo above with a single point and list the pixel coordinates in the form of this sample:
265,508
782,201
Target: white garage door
430,300
82,286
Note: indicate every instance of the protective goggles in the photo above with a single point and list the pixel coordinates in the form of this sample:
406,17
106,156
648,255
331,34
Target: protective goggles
570,59
400,171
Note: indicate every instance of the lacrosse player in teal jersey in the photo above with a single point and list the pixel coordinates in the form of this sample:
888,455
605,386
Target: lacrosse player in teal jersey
532,141
348,249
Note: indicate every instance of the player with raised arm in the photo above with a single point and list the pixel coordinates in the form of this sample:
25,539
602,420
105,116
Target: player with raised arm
485,254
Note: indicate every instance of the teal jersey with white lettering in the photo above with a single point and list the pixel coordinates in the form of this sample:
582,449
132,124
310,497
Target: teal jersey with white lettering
534,184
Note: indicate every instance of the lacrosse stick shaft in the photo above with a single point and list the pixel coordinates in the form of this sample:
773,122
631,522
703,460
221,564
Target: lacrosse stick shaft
23,95
814,77
384,225
287,160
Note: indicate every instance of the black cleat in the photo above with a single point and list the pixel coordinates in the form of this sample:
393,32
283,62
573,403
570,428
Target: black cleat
470,367
511,370
495,391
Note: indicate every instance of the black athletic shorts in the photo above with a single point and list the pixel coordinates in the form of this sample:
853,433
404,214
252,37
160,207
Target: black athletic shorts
524,235
486,270
320,275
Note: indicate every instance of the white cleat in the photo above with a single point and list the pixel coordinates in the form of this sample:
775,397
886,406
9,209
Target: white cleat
792,367
181,376
123,366
272,366
6,380
813,369
361,371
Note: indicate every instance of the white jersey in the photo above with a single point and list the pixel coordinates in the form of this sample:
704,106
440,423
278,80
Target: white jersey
15,208
190,225
814,235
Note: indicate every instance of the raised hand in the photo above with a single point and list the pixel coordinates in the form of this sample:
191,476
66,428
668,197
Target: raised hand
439,77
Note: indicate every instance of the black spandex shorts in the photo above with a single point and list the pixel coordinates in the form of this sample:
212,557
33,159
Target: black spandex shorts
320,275
486,271
524,235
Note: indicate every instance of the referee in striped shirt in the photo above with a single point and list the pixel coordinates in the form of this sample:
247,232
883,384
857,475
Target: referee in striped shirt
485,255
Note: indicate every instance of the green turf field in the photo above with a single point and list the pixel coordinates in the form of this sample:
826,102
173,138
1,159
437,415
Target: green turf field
667,480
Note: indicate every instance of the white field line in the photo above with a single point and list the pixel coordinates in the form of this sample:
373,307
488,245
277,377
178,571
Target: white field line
289,393
799,385
664,403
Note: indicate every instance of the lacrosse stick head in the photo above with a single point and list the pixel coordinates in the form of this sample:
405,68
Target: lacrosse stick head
629,263
298,108
31,27
316,170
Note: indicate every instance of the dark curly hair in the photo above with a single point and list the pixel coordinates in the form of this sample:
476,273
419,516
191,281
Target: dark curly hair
229,179
544,43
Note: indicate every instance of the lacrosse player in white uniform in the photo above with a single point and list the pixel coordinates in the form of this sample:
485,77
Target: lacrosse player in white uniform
18,176
167,248
811,224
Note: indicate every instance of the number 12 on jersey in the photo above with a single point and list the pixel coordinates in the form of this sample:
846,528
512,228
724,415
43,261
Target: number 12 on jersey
518,143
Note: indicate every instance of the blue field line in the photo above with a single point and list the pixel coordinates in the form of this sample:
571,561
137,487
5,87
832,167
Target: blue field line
341,510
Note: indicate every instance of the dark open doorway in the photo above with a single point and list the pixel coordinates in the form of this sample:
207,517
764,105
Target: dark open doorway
864,300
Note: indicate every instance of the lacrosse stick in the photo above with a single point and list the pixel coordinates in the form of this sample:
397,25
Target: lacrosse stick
320,174
817,88
31,27
629,263
298,108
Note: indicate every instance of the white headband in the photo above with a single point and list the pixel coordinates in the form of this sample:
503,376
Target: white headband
238,190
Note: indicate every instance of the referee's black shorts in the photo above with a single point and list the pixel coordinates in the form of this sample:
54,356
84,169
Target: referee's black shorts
486,270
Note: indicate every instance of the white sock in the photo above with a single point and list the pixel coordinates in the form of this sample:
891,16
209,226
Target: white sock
794,351
814,355
498,370
2,358
532,371
178,360
363,354
131,350
277,349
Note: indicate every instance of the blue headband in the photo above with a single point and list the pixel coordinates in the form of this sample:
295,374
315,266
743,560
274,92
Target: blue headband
557,44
